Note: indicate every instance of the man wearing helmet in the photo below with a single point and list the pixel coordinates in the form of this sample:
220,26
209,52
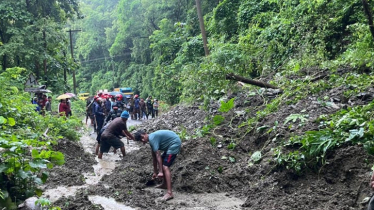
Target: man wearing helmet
111,135
119,102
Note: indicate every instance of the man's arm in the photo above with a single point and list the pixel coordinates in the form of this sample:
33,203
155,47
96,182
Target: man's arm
155,171
157,161
128,134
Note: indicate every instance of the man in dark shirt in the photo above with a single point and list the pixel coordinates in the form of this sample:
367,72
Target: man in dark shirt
116,112
111,135
99,114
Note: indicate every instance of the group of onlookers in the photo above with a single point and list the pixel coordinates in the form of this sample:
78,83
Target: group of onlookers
141,109
101,109
43,103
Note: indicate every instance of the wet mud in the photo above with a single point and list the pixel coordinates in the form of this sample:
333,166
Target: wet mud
212,176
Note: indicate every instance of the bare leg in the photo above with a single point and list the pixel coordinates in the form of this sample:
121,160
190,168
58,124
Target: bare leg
97,149
167,179
123,151
100,156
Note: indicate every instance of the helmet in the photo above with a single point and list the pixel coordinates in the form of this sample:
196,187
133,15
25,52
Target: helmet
119,97
136,96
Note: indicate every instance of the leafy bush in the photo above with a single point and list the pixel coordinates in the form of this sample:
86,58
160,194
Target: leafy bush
25,146
352,126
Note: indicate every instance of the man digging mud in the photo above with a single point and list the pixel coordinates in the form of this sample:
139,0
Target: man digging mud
110,137
170,143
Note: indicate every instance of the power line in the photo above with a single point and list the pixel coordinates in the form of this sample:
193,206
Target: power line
103,58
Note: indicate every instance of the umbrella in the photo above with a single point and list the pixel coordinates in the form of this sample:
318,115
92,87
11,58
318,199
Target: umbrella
37,90
63,96
71,94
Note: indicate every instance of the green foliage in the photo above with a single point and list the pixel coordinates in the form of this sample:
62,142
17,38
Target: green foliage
45,204
204,130
352,126
32,34
27,153
255,158
292,161
218,119
183,134
231,146
227,106
224,21
294,117
213,141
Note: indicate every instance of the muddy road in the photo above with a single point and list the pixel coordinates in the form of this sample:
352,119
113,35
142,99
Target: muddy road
86,182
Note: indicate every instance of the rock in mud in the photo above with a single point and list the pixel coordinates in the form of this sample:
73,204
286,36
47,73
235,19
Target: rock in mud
29,204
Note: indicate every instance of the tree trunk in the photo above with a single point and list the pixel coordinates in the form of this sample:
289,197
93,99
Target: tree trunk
4,58
37,69
4,64
369,16
202,27
45,60
64,68
250,81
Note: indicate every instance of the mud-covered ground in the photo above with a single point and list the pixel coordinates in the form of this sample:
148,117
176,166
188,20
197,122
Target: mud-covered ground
221,175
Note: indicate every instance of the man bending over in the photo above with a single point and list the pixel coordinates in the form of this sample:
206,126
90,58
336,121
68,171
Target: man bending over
111,135
170,143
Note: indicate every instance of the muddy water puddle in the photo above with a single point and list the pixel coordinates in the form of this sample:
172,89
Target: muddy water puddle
203,201
55,194
108,203
104,166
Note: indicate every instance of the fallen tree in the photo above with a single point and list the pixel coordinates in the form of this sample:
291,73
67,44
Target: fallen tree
232,76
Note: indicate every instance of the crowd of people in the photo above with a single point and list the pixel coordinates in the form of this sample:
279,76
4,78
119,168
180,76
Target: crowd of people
101,109
43,103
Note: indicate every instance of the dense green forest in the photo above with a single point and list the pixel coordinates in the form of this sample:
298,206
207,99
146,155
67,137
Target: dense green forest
156,47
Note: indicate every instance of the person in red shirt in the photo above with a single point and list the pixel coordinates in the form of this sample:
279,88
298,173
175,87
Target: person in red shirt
63,108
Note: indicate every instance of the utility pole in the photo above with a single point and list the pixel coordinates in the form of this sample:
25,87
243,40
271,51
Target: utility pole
202,27
72,56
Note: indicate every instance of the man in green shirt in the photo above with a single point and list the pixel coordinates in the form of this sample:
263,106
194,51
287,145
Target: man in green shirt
168,142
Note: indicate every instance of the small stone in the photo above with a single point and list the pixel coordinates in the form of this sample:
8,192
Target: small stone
365,200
